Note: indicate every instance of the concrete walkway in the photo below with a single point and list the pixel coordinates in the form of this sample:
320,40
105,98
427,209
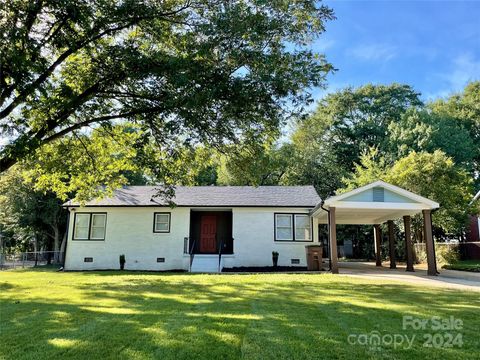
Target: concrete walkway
449,279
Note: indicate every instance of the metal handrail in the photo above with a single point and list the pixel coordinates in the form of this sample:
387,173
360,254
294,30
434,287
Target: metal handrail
220,254
191,251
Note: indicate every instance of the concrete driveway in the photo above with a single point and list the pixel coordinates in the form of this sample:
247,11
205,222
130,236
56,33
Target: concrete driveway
450,279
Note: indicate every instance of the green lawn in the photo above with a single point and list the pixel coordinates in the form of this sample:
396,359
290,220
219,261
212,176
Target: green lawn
465,265
114,315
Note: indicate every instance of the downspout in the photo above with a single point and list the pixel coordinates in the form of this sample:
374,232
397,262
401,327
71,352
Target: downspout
328,231
66,239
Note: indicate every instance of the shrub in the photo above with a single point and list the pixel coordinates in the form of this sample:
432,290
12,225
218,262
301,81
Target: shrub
447,254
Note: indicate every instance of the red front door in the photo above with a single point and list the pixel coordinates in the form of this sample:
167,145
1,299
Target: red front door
208,234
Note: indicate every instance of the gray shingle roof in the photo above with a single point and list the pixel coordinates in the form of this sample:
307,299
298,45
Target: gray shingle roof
264,196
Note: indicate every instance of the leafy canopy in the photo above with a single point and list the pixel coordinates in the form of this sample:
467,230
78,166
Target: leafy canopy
183,70
422,130
26,213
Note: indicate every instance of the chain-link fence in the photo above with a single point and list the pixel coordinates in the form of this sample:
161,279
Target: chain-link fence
30,259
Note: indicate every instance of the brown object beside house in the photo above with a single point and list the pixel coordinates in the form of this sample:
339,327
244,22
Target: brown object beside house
314,257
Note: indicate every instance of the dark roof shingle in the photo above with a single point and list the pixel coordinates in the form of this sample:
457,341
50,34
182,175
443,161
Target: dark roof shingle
264,196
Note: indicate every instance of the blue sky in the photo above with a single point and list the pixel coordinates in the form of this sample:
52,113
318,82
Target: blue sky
432,45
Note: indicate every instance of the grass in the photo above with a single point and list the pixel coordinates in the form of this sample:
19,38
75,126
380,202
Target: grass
122,315
464,265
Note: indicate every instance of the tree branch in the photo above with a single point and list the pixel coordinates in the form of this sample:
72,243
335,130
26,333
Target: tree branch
99,119
10,156
30,20
30,88
92,159
49,71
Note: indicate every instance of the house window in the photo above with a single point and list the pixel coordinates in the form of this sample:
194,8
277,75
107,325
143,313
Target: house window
302,227
98,226
89,226
292,227
284,227
161,223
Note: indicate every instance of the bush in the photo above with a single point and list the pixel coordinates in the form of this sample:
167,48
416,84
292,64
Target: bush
447,254
420,255
466,265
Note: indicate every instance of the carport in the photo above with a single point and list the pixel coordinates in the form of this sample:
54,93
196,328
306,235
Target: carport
375,204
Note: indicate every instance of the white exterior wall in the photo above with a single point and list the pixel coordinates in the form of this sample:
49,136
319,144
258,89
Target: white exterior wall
129,231
253,233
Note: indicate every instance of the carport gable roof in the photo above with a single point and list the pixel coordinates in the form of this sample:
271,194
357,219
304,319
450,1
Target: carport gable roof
374,203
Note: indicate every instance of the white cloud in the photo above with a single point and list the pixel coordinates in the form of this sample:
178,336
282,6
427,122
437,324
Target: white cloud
465,69
373,52
324,44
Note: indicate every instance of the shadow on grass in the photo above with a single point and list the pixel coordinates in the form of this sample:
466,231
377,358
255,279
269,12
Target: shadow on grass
221,317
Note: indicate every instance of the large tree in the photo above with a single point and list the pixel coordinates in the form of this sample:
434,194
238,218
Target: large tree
255,164
352,120
86,165
31,216
344,125
422,130
465,109
194,70
314,160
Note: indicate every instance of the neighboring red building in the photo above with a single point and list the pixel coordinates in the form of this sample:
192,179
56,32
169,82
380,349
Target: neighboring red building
472,245
473,231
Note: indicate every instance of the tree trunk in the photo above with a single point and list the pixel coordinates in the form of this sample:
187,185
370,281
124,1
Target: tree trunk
62,246
1,251
56,244
35,249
